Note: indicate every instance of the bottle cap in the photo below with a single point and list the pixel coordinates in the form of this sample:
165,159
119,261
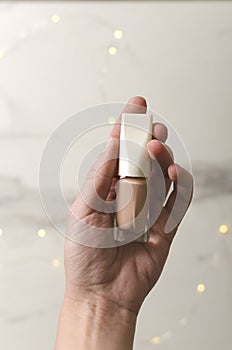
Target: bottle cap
136,132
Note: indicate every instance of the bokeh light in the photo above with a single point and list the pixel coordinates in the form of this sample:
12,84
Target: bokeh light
56,262
41,233
156,340
200,288
112,50
118,34
55,19
223,229
2,54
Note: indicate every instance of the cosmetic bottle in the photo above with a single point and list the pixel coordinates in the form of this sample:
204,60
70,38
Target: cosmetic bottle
132,201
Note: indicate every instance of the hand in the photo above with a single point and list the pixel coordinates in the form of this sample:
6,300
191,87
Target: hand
121,277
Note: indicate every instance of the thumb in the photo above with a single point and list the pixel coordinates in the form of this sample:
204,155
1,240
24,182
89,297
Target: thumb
96,187
99,178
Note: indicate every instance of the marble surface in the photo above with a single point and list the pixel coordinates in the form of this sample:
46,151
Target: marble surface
178,55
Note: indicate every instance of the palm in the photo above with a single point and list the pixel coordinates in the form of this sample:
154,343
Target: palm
125,274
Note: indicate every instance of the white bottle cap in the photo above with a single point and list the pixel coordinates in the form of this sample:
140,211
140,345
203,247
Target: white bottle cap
136,132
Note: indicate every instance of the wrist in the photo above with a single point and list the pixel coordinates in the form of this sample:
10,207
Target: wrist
95,323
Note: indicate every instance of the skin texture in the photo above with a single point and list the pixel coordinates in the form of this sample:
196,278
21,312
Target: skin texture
105,288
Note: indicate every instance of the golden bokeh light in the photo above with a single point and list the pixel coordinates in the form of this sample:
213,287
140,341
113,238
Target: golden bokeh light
55,19
200,288
223,229
112,50
156,340
56,262
118,34
41,233
2,54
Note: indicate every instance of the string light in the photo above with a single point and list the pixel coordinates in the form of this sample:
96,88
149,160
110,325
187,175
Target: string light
56,262
156,340
1,232
112,50
2,54
118,34
200,288
223,229
41,233
111,120
55,19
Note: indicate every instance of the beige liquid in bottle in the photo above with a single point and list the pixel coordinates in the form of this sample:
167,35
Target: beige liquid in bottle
126,218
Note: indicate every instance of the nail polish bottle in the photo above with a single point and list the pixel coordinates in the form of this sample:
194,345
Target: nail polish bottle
132,201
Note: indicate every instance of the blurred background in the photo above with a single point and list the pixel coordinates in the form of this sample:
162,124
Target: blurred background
57,58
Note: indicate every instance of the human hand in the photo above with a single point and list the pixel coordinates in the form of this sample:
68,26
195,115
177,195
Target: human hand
120,278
